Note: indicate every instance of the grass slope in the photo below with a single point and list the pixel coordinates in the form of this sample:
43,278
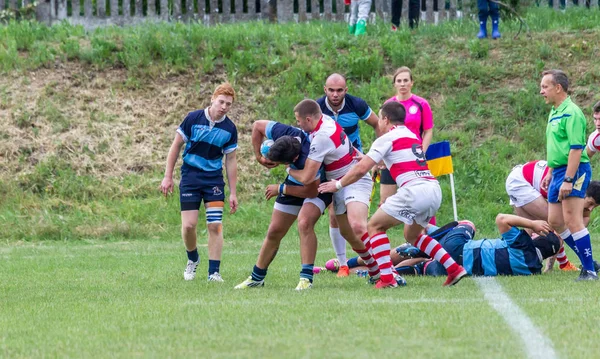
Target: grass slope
85,132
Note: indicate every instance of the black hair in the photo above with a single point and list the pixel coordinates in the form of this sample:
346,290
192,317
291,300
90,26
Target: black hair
394,111
548,245
593,191
284,150
596,107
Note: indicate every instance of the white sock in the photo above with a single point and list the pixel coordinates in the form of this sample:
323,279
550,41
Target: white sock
339,245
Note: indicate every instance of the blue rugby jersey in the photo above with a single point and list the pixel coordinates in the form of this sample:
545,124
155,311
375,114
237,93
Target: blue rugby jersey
513,254
206,142
276,130
353,109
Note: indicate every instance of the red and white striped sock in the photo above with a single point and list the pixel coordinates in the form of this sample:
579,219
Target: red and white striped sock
380,244
561,257
434,249
365,254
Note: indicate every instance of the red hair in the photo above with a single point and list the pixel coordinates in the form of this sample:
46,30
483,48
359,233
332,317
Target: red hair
224,89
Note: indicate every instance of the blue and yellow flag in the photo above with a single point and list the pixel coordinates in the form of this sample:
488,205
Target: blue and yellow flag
439,158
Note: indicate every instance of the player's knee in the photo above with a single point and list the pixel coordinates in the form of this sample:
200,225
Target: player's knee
214,228
358,228
305,225
189,226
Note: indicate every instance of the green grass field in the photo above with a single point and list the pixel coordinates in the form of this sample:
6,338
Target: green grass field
91,258
128,299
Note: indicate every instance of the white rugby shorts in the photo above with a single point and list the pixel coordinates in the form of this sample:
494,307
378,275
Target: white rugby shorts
519,191
359,191
415,202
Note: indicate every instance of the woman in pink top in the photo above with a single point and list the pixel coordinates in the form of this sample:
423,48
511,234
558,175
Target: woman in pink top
419,120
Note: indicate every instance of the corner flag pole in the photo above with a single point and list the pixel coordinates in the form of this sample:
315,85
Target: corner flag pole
453,196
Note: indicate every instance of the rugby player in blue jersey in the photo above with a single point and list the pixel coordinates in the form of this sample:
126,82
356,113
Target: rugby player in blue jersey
208,135
348,111
293,200
515,253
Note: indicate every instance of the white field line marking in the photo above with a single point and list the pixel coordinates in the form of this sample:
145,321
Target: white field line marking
537,345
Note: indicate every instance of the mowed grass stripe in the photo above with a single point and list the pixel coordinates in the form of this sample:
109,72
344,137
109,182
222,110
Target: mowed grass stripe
125,304
537,345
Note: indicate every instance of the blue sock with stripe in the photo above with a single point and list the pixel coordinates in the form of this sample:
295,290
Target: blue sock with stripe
258,274
213,266
584,246
307,272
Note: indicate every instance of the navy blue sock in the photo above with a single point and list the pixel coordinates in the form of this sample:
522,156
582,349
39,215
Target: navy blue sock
307,271
352,262
258,274
213,266
584,246
568,239
193,255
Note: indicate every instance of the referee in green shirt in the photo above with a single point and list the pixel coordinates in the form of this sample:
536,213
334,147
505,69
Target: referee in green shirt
570,171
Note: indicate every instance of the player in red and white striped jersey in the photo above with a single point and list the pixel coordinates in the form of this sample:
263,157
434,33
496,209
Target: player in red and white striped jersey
529,200
593,144
417,200
330,146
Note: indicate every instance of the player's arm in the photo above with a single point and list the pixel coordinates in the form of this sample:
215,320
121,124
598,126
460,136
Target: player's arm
308,174
167,185
355,173
546,180
373,121
231,169
308,191
505,222
427,137
259,132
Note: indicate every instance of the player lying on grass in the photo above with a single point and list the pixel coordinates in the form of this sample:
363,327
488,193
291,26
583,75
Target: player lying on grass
515,253
417,200
529,200
407,251
294,200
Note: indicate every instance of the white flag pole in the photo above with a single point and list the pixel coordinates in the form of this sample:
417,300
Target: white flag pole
453,196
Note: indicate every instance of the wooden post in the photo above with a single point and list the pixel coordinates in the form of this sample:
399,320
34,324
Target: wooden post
151,12
139,9
239,10
252,15
302,11
43,12
327,10
75,8
340,10
176,14
380,8
101,9
315,10
285,11
61,12
214,12
226,17
429,10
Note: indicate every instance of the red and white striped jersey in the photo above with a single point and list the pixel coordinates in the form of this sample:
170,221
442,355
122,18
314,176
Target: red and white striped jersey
402,153
534,172
594,142
330,146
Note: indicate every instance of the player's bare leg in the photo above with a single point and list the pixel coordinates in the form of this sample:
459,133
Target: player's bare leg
189,221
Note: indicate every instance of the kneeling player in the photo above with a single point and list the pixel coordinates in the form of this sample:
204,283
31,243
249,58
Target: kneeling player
293,199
